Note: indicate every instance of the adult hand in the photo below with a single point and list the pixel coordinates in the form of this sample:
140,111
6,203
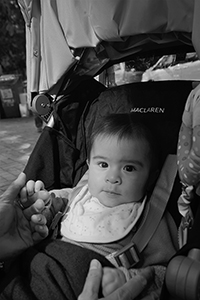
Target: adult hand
112,279
128,291
19,229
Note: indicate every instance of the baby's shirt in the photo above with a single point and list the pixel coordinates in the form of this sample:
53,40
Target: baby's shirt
90,221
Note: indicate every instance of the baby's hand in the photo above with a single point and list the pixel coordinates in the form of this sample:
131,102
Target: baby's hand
32,191
112,279
37,220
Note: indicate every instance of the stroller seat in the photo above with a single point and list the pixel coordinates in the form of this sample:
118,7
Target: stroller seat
59,158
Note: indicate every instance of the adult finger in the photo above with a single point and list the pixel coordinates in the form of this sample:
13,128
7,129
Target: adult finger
40,233
92,283
38,219
13,190
134,287
38,224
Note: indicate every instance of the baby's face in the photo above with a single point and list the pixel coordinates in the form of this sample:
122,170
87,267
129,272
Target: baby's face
118,170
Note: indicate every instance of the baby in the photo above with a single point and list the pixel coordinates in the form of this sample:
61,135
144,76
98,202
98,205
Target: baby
107,203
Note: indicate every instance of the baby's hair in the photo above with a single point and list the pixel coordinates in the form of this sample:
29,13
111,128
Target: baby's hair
123,126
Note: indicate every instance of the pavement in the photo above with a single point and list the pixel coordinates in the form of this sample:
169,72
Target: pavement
18,137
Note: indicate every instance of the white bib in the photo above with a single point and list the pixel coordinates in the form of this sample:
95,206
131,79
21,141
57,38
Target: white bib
90,221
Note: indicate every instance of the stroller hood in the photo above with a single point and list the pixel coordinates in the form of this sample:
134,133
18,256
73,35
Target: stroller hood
86,36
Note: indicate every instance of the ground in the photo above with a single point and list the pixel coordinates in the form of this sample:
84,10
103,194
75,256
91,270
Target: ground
18,137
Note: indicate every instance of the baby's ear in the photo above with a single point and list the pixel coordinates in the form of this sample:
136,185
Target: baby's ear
88,162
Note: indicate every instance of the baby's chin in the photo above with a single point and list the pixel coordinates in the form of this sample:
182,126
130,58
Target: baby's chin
109,201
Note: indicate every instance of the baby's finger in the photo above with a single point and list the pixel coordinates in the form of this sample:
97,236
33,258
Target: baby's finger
43,195
23,195
25,201
39,185
30,187
30,200
35,208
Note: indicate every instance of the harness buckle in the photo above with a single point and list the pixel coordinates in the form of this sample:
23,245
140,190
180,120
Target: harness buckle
128,256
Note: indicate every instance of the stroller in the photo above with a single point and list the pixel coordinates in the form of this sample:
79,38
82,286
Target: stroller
61,150
65,94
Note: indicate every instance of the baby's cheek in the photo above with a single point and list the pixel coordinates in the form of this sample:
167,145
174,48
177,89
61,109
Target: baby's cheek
93,188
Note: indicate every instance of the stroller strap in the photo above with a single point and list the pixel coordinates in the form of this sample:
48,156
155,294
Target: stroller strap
129,255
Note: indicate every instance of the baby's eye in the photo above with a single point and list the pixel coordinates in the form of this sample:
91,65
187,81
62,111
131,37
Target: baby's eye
129,168
103,165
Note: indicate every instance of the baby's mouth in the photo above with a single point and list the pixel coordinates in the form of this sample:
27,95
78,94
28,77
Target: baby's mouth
111,192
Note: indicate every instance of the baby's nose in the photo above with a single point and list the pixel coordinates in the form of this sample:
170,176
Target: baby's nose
113,177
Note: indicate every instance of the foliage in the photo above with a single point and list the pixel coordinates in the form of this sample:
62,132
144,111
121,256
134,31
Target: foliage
12,38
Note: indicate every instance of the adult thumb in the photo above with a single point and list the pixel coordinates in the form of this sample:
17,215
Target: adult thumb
13,190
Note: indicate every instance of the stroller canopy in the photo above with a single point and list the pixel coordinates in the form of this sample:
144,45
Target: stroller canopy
87,35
